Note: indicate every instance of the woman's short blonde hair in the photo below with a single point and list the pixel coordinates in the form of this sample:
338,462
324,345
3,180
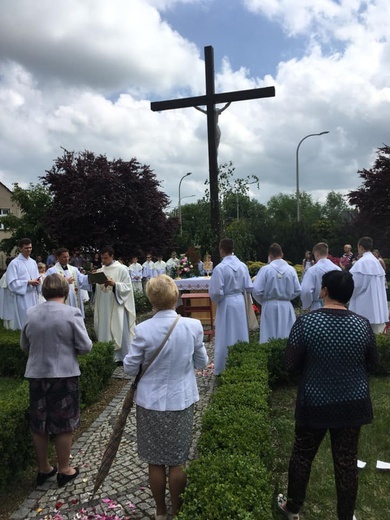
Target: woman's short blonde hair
55,286
162,292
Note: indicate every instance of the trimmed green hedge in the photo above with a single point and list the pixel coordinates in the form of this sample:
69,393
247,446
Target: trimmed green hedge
12,359
383,347
231,478
96,370
16,448
278,374
227,485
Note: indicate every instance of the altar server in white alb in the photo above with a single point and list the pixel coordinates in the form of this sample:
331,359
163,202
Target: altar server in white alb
228,283
77,281
135,270
24,282
160,267
311,283
7,300
172,263
148,271
114,314
369,295
274,287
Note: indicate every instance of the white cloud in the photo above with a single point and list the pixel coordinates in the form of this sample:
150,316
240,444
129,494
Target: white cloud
81,74
109,46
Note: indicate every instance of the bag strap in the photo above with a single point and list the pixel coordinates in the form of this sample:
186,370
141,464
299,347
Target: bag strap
142,370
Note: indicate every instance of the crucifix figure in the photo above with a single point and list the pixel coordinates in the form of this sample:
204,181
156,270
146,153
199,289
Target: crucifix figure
217,113
210,100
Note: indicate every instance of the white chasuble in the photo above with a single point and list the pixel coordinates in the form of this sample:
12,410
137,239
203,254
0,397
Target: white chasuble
114,316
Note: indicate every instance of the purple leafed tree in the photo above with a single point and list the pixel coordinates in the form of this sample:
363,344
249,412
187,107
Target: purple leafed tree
372,200
98,202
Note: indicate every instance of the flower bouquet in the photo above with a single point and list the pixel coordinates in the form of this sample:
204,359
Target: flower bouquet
185,269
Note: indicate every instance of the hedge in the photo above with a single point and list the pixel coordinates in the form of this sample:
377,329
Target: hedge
12,359
231,478
16,448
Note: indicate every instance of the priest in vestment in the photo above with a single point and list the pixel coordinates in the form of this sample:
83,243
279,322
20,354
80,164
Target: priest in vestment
227,286
24,282
114,313
369,295
77,281
274,287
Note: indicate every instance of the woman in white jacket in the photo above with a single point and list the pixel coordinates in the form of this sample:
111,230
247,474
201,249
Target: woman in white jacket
167,392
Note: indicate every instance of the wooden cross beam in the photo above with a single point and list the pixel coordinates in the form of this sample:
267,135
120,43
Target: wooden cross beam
210,100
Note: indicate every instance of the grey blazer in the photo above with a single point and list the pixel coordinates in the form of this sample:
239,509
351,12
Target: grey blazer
53,336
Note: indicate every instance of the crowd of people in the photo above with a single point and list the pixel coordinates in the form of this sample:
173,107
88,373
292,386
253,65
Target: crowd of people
332,347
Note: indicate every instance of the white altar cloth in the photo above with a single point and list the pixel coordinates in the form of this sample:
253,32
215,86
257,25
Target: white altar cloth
198,283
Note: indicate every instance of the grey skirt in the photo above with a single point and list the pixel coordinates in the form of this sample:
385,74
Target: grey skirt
164,438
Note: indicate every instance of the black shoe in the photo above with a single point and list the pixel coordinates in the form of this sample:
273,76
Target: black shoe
119,363
42,477
63,479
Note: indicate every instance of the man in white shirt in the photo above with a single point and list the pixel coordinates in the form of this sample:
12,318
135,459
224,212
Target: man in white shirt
23,280
136,274
227,286
369,295
311,283
114,313
274,287
76,280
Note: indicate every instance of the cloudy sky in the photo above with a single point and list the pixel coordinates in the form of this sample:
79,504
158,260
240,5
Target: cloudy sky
81,74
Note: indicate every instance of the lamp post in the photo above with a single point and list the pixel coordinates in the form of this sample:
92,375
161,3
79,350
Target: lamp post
184,176
297,171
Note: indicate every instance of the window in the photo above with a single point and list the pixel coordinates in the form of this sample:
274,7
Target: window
3,212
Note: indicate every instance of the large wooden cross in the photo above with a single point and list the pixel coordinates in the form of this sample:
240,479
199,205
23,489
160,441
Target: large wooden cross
210,100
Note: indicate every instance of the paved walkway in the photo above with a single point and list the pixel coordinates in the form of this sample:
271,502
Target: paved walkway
125,492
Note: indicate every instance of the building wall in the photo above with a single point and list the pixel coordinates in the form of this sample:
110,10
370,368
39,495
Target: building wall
6,206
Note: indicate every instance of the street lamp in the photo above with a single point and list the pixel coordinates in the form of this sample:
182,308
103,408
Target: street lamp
184,176
297,171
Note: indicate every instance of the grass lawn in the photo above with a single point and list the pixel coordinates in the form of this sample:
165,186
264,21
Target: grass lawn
373,501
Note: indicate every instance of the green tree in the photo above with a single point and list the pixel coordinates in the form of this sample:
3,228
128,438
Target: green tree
34,203
335,207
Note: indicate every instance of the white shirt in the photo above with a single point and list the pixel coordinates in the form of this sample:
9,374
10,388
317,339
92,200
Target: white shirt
169,383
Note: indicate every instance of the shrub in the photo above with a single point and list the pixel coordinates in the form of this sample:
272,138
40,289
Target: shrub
12,359
227,485
277,374
231,478
142,304
16,448
254,267
383,348
96,370
236,430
